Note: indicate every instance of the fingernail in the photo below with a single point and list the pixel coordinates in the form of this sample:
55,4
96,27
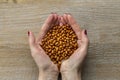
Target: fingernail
85,32
28,33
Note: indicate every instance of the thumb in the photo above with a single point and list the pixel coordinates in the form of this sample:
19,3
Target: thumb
81,52
31,38
84,39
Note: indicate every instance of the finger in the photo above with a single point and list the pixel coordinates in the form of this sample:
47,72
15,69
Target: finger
32,42
60,22
72,22
55,17
45,27
63,21
84,40
74,25
65,18
49,21
56,20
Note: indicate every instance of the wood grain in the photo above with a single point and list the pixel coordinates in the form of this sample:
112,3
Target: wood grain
100,18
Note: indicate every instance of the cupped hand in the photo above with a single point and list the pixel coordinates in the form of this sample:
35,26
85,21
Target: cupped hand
75,61
42,60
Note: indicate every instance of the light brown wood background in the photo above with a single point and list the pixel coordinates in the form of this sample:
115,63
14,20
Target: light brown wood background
100,17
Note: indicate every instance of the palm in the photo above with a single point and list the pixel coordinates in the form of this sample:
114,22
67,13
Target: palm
78,56
41,58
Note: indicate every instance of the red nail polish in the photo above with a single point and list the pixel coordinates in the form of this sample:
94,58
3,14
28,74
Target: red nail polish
85,32
28,33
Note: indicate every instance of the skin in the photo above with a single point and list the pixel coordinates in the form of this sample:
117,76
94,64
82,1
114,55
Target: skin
47,69
70,67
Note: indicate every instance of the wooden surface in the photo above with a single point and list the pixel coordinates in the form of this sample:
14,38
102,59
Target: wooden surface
100,17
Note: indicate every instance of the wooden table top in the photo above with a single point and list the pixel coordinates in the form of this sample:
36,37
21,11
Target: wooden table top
101,18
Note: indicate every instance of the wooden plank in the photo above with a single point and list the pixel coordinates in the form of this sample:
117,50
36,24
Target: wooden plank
101,19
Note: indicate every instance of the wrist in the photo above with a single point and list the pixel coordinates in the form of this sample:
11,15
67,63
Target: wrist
71,75
48,75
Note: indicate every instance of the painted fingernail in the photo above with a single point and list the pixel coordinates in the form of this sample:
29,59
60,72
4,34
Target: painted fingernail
28,33
85,32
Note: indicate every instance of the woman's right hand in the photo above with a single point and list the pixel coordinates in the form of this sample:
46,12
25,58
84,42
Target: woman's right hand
47,69
69,68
